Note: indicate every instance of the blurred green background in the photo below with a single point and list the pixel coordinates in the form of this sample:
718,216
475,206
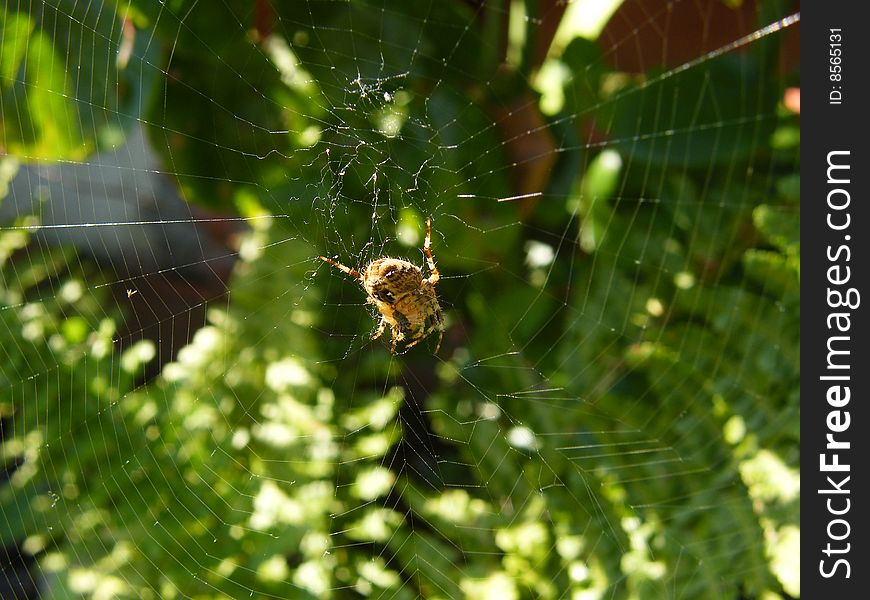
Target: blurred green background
614,410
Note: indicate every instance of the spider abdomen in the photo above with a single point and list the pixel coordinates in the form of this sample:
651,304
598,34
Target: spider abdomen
389,279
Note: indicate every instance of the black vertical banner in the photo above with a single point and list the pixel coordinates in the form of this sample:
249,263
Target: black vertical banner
835,425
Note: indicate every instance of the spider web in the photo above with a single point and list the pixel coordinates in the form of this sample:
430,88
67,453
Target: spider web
191,404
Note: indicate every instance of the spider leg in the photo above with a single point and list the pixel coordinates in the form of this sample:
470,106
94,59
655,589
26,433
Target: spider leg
398,336
352,272
381,327
435,275
420,339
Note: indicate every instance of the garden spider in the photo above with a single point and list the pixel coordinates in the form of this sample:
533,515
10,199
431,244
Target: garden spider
404,298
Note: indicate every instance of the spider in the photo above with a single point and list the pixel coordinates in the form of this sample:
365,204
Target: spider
405,300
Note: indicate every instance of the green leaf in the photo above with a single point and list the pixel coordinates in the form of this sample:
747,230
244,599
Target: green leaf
715,113
14,32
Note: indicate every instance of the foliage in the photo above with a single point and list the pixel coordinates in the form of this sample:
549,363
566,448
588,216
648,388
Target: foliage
633,431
